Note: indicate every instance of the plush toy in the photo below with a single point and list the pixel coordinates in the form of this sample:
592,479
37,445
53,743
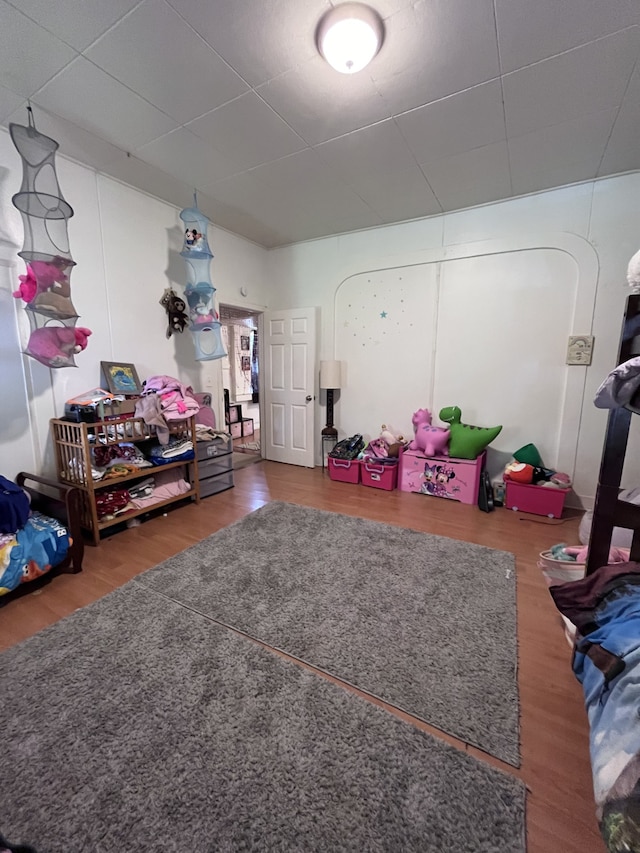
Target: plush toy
431,440
175,308
466,441
519,472
633,273
55,346
394,441
558,480
28,286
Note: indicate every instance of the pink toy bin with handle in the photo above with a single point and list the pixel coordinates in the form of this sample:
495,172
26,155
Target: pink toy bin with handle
344,470
378,475
538,500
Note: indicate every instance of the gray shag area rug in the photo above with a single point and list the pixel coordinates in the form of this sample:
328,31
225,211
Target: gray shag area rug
138,725
425,623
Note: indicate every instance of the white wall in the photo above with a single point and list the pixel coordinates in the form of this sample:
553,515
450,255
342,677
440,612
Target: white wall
479,305
126,247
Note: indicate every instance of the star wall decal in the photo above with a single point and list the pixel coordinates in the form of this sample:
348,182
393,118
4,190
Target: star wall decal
383,314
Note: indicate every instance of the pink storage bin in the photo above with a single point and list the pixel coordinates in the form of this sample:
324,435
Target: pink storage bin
344,470
379,476
538,500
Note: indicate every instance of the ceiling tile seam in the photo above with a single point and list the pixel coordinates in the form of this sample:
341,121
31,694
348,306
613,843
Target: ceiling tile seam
250,87
81,52
615,121
120,83
445,97
415,160
60,70
504,110
570,50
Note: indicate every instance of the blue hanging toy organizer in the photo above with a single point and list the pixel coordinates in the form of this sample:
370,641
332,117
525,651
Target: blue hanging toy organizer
204,320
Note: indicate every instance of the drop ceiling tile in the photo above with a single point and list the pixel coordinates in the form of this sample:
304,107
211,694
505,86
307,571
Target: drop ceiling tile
187,158
398,195
529,32
434,49
580,82
90,98
377,149
9,103
74,141
29,55
73,25
565,152
623,148
320,103
174,69
259,40
142,176
247,131
467,120
475,177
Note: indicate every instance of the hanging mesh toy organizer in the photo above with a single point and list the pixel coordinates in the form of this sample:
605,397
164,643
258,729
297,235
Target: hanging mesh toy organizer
204,320
46,289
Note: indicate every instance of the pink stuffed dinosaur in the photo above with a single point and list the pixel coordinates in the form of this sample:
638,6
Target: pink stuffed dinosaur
432,441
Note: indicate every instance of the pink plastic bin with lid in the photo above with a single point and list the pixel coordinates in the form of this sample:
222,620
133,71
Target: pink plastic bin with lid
538,500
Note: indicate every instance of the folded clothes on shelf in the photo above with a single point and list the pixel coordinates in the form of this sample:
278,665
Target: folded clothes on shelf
176,448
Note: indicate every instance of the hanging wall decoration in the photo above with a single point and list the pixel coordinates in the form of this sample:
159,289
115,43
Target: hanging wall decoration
204,320
45,288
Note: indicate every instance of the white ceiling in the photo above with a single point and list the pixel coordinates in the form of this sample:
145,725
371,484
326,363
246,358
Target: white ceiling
469,101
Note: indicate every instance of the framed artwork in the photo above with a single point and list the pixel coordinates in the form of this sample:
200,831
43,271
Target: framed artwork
245,362
121,378
244,342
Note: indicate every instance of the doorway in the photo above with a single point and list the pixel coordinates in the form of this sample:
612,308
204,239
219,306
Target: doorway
241,382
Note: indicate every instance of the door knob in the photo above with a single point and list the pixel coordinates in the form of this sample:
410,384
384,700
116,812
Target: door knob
308,398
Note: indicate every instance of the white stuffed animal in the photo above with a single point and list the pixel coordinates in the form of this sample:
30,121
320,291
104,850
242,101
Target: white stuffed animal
633,273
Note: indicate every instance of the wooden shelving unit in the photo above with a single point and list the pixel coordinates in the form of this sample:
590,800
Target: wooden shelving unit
73,444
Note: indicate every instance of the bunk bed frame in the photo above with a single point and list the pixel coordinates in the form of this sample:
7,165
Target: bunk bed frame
609,511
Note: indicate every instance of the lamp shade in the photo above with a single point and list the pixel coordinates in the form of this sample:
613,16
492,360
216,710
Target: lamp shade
330,374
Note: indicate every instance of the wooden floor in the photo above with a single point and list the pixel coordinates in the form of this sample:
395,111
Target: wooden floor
554,735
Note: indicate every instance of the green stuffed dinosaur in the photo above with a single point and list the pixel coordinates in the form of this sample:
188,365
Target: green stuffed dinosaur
466,441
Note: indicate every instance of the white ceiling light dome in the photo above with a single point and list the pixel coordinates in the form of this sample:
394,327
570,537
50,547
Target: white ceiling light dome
349,36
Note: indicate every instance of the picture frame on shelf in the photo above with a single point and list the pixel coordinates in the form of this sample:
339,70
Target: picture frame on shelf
121,378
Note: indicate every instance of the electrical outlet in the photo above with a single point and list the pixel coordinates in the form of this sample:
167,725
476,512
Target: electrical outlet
580,349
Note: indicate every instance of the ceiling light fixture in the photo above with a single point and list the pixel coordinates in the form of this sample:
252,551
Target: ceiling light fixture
349,36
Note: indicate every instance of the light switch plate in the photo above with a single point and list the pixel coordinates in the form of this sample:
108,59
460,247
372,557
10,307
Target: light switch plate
580,349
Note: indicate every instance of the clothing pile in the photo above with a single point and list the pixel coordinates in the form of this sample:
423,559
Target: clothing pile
164,401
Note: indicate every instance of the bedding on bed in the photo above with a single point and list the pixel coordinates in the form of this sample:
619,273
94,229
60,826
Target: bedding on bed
35,549
605,608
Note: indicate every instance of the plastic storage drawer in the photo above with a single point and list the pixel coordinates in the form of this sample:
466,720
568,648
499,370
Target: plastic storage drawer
216,447
213,485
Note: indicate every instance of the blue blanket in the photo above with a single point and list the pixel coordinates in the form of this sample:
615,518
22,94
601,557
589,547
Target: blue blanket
605,607
37,547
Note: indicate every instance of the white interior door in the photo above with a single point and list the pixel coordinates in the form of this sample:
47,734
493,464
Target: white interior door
288,434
